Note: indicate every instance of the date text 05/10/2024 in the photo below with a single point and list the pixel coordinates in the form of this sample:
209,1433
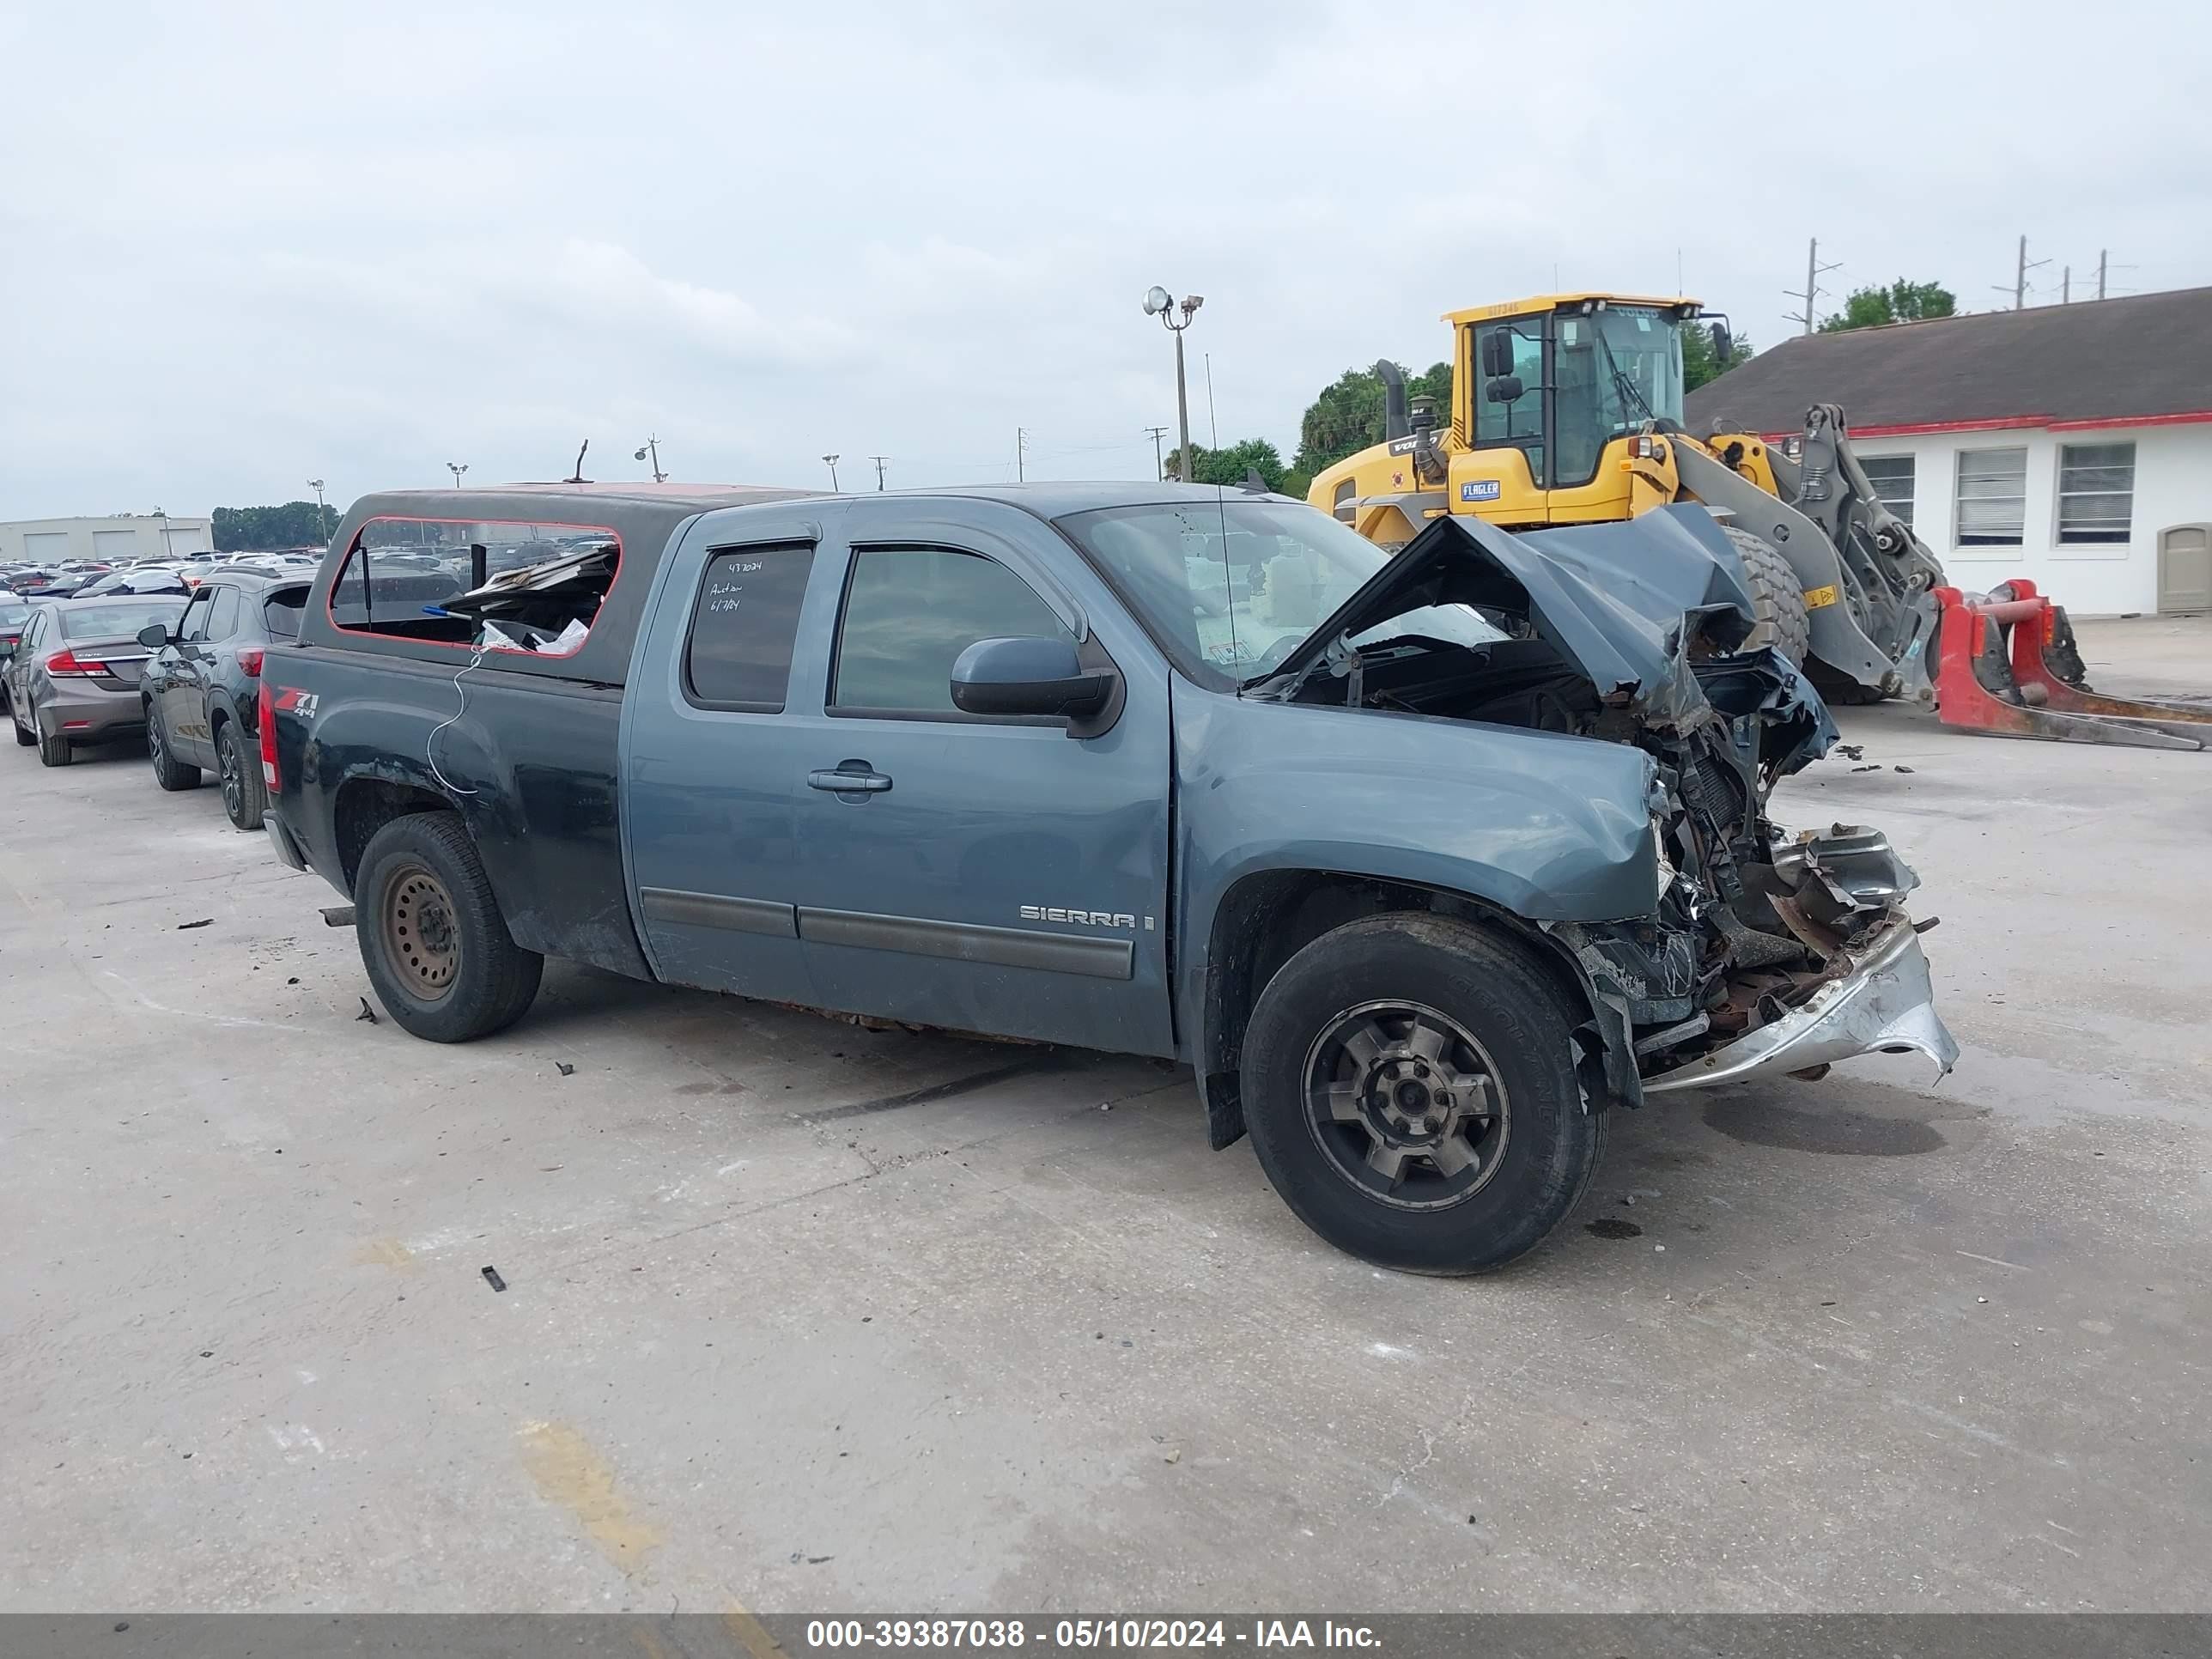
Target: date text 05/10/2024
825,1635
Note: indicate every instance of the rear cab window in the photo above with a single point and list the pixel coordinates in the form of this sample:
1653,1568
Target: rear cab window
533,588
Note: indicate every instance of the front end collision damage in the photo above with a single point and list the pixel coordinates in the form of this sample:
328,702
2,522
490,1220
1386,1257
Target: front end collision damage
1765,954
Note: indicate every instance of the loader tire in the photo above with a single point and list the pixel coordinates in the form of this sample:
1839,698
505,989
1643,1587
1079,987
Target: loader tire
1777,599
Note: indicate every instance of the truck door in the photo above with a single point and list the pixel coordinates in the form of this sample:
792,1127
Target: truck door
992,874
714,756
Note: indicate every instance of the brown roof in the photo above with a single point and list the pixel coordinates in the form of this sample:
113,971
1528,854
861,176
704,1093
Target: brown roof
2146,355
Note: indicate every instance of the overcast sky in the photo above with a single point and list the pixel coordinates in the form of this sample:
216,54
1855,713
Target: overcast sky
243,245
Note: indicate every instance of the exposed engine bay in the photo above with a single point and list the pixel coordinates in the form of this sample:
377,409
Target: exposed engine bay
1766,951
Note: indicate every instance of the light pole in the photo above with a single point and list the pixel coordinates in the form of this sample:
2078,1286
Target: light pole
652,446
322,527
164,518
457,468
1160,304
830,461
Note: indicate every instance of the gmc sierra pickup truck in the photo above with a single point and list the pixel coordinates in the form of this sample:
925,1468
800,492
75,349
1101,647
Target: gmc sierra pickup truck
1425,862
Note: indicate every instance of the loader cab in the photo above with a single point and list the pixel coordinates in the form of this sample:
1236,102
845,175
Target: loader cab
1552,394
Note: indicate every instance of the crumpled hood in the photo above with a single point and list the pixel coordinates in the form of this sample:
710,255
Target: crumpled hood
1623,602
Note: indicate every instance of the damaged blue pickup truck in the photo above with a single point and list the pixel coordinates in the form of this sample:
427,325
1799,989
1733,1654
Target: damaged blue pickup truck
1426,862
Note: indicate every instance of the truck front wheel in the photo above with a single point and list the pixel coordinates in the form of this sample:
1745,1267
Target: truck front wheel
1409,1083
435,947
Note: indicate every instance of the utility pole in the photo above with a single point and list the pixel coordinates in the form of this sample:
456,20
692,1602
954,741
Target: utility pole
1021,454
1213,425
322,527
2100,273
2066,285
2020,269
653,448
1159,466
880,460
1814,269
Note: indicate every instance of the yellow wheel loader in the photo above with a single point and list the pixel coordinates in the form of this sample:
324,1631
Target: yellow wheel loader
1567,410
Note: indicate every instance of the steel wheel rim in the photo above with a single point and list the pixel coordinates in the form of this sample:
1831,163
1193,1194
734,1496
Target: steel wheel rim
1406,1105
154,741
234,780
421,940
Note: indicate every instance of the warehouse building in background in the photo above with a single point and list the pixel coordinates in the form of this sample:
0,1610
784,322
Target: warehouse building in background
2068,444
117,537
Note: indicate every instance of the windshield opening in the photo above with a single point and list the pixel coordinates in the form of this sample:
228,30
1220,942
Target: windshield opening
1614,370
1230,589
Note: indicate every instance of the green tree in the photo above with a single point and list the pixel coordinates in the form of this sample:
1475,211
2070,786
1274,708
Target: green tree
1701,363
1233,464
258,529
1348,417
1901,302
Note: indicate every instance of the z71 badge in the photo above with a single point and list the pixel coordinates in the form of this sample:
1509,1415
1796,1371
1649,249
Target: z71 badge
1479,489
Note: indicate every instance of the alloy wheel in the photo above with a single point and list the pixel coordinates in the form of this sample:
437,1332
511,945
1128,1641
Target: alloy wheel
1405,1104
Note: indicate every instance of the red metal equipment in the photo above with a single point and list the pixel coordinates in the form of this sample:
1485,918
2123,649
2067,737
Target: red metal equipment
1991,677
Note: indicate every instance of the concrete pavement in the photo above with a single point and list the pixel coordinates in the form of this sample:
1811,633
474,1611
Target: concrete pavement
789,1325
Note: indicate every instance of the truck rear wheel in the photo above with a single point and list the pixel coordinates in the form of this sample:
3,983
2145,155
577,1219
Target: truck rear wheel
1776,598
1410,1088
435,947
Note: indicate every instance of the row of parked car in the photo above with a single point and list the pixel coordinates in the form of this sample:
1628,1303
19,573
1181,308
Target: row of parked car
84,579
182,668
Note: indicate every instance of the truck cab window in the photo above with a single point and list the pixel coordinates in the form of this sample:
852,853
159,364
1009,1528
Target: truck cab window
909,612
742,623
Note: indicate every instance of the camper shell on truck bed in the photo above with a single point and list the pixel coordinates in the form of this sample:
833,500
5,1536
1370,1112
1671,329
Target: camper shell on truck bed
1420,861
546,814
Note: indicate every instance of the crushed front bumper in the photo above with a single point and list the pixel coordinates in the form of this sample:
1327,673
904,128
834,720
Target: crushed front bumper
1884,1006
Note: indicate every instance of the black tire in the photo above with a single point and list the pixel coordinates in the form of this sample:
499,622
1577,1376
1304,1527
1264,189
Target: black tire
169,772
1496,991
55,751
244,795
420,884
1775,597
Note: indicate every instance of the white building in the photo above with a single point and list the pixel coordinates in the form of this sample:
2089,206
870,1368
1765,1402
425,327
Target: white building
118,536
2071,445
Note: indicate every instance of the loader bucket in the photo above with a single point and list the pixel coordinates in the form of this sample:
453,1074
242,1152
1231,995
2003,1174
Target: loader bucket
1991,677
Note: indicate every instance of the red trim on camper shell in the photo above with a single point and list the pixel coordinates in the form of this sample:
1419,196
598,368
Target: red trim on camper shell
2011,423
330,608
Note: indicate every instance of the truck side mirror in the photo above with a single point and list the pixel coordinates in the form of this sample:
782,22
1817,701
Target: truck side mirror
1724,345
154,635
1496,354
1505,389
1027,675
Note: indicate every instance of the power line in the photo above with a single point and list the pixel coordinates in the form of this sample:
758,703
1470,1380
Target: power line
1814,269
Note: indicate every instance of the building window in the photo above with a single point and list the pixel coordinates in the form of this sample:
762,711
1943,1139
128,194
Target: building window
1891,478
2096,492
1992,496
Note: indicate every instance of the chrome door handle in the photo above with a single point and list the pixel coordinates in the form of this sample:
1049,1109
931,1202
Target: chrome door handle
849,777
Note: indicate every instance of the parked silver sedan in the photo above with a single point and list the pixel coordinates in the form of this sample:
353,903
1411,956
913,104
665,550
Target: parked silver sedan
73,678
